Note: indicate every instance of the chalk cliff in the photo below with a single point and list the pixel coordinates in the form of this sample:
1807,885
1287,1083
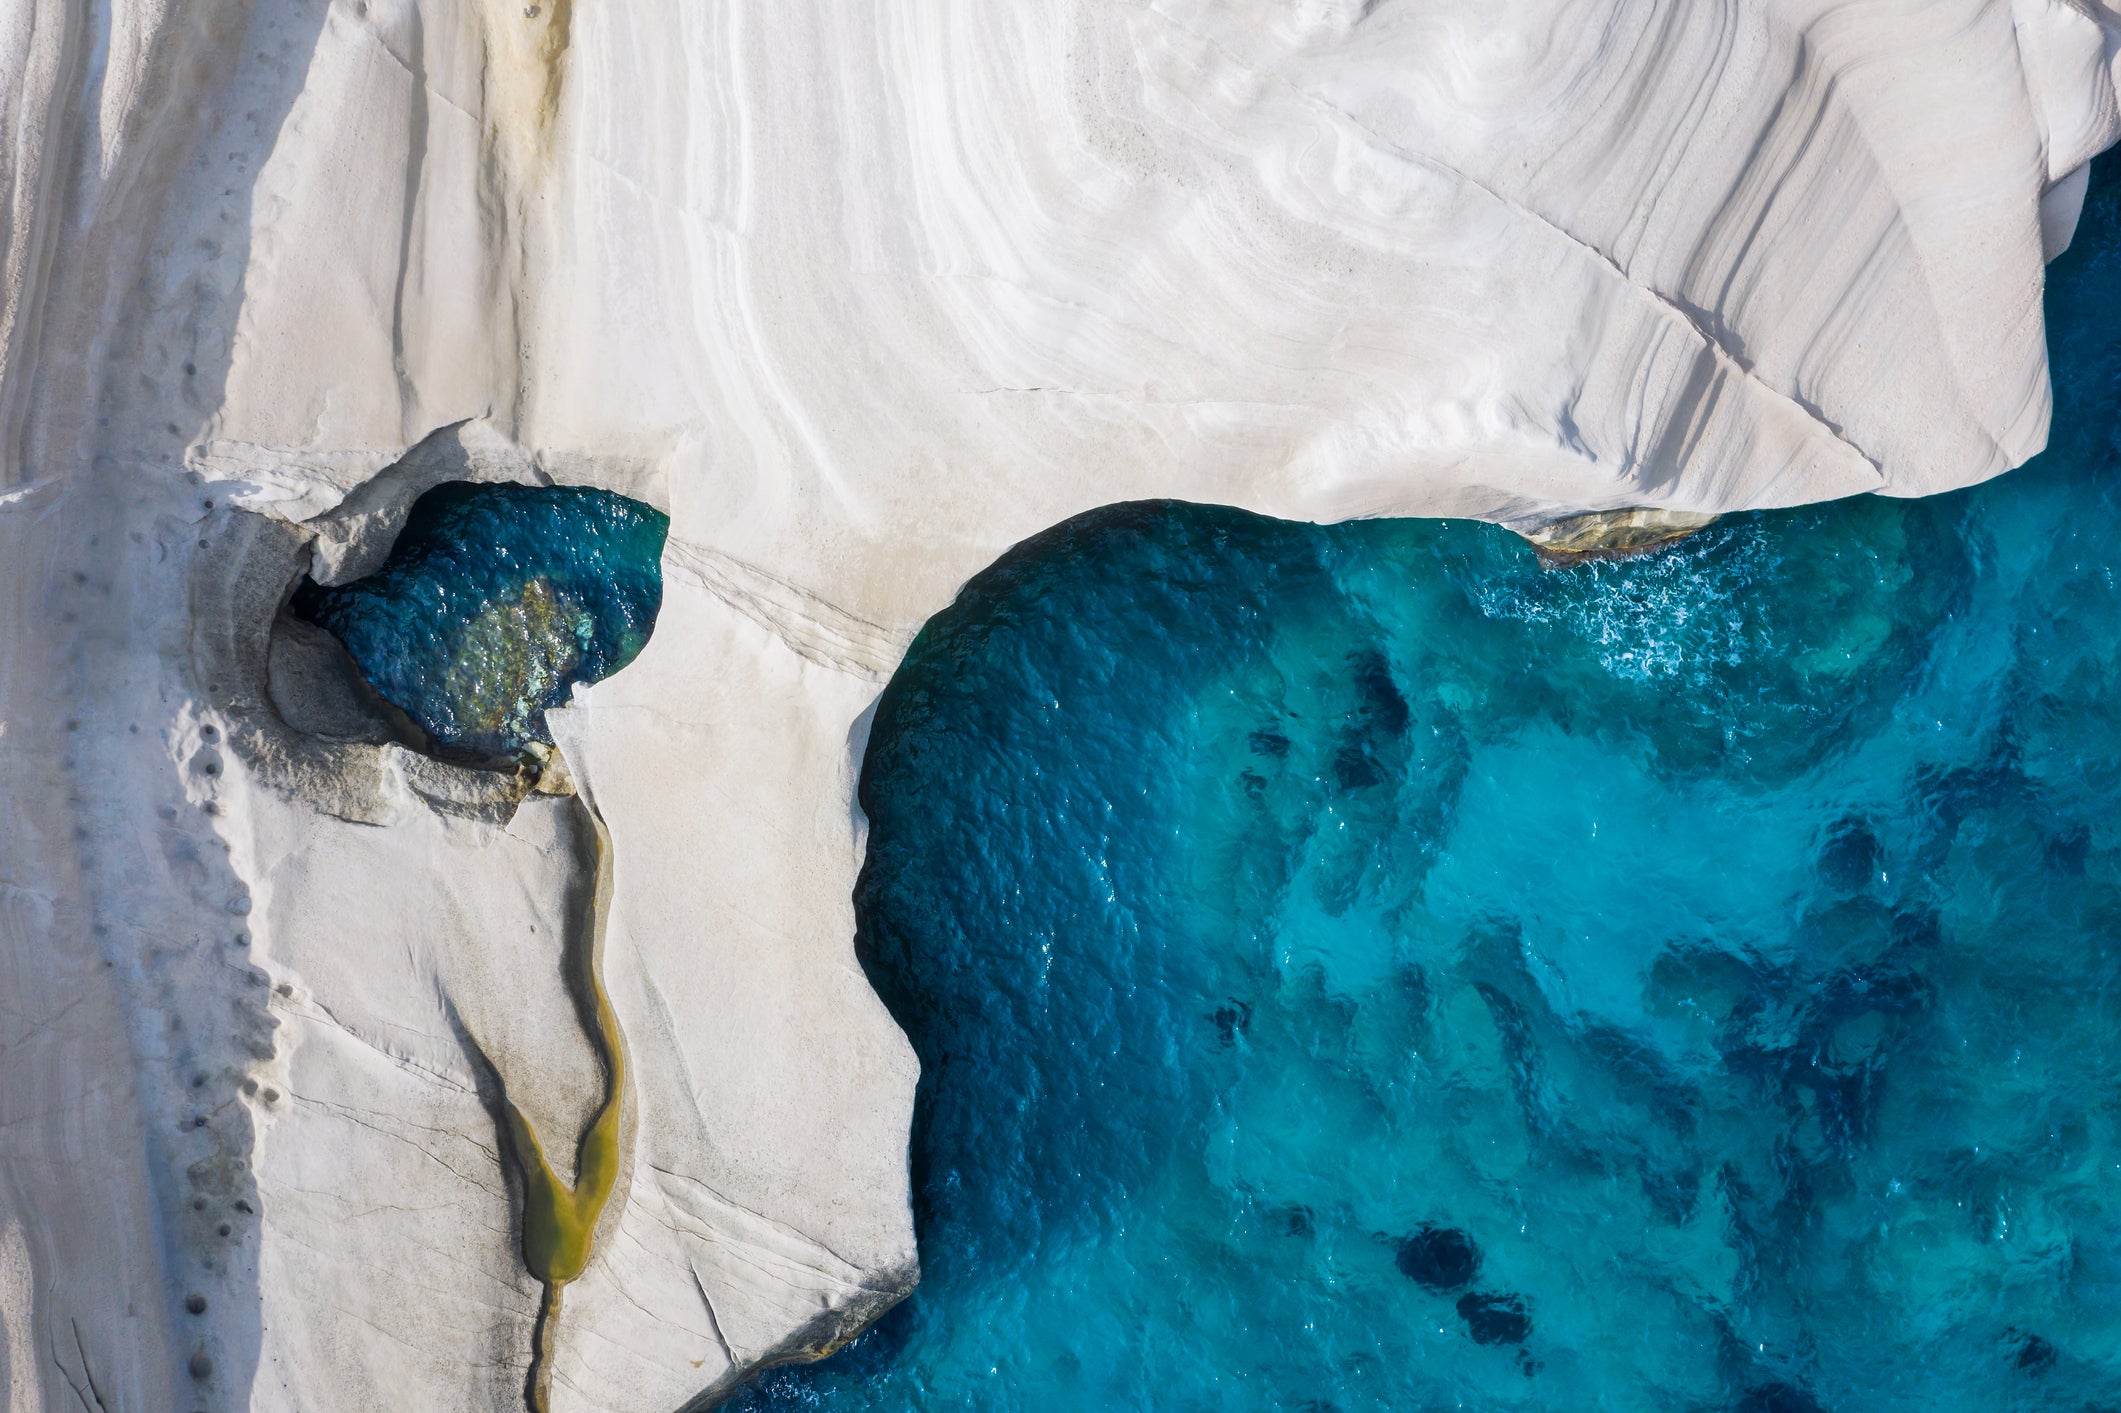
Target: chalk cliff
861,294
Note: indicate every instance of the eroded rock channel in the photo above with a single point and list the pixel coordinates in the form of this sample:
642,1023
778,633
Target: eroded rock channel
494,602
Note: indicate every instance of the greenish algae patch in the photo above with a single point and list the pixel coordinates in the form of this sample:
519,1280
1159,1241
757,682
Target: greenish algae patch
1614,534
560,1221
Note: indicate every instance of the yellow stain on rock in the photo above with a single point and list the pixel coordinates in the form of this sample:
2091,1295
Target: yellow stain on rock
526,57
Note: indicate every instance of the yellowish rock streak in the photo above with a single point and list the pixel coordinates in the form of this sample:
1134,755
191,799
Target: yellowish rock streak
527,52
559,1220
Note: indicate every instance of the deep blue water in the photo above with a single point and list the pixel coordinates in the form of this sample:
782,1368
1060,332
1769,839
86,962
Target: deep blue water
1356,968
495,601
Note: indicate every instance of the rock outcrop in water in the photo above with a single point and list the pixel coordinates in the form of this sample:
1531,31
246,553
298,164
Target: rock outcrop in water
861,296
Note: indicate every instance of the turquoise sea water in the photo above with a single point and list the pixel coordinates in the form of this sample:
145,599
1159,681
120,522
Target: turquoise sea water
495,601
1356,968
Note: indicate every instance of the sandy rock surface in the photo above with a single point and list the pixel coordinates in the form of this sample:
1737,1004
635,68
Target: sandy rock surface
862,295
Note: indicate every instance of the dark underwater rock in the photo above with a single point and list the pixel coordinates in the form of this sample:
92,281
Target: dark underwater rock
1383,703
2036,1355
1495,1319
1851,859
1270,741
1778,1398
1439,1258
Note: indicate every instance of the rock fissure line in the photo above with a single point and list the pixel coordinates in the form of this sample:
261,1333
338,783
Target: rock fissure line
560,1220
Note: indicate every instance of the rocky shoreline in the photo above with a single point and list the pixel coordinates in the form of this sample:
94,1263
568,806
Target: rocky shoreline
860,299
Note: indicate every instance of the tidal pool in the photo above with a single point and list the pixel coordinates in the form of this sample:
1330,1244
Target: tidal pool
495,601
1355,968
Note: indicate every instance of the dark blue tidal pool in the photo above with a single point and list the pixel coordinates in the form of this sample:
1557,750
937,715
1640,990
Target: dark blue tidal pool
495,601
1356,968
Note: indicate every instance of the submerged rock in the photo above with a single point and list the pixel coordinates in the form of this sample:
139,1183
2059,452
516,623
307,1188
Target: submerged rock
1495,1319
1439,1258
2036,1355
1778,1398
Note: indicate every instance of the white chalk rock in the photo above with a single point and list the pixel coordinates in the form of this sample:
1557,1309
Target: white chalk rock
862,294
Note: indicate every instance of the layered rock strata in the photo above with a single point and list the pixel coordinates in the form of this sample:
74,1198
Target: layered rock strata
861,295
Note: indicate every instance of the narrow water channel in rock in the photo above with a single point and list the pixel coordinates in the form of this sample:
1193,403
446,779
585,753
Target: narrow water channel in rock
560,1219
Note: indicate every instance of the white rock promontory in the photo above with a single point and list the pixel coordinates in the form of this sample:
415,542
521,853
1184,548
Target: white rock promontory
862,294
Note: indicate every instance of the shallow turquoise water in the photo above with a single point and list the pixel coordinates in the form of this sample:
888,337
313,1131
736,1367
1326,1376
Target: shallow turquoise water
495,601
1357,969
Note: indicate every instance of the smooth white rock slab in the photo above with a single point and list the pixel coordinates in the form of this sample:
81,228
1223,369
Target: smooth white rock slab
863,294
